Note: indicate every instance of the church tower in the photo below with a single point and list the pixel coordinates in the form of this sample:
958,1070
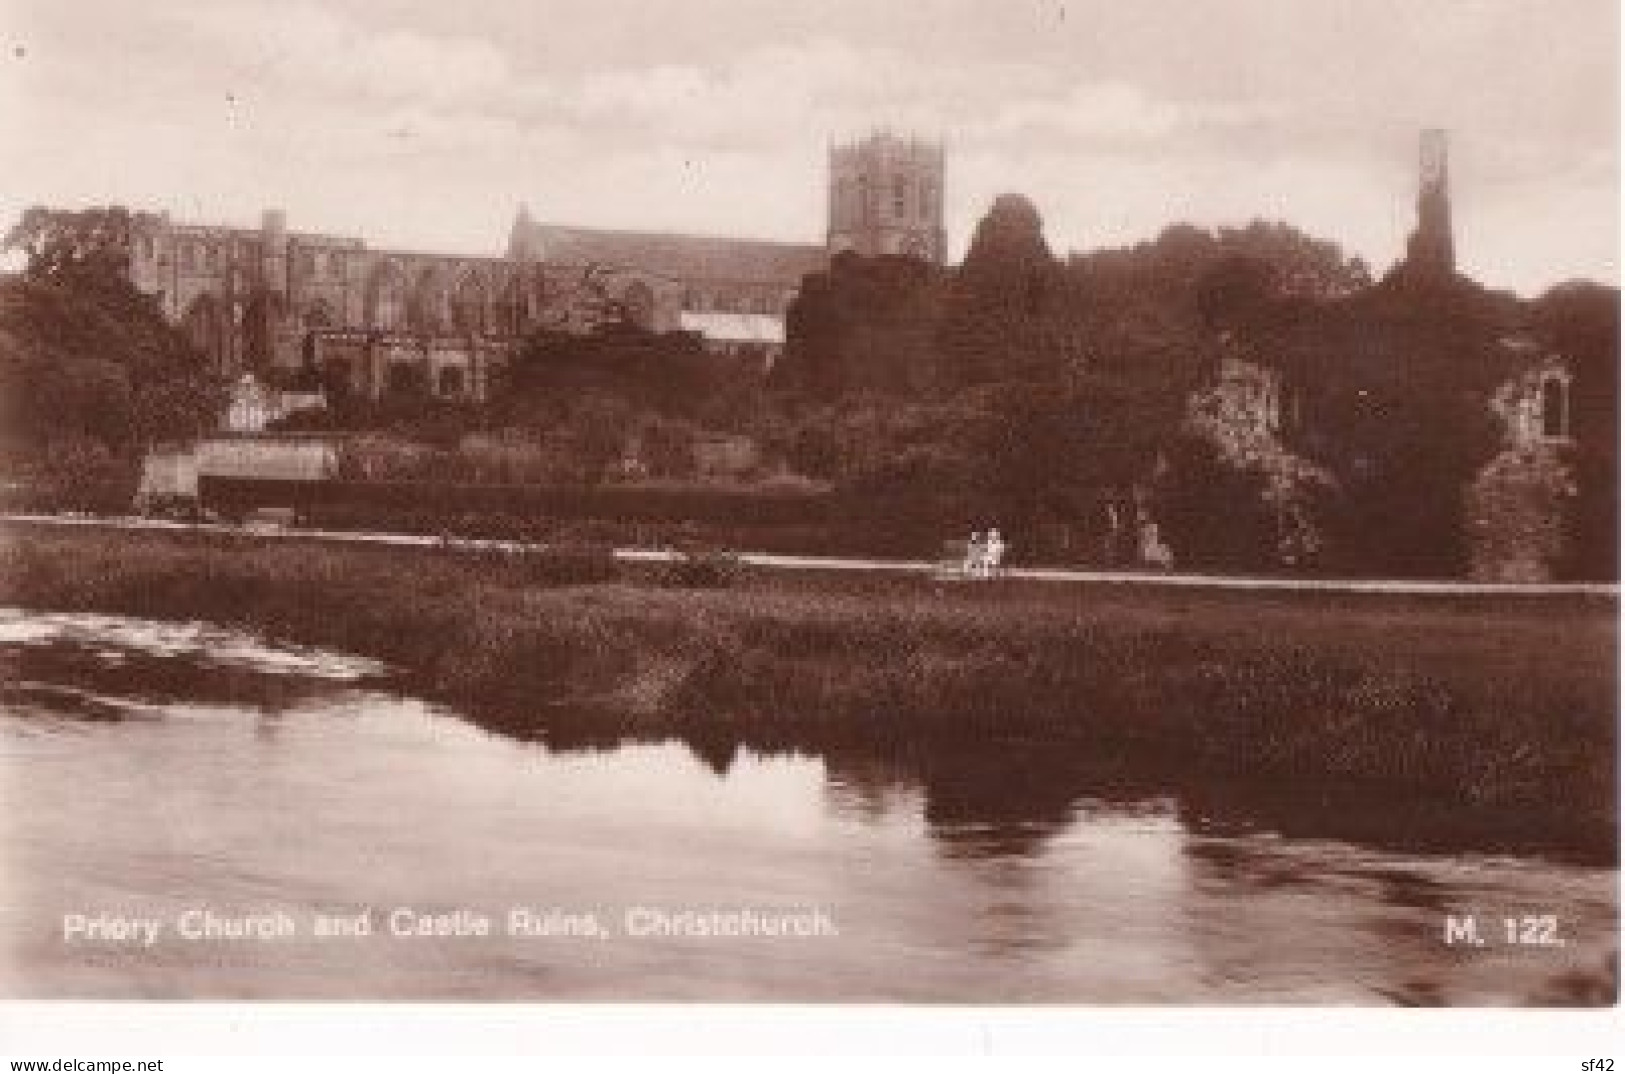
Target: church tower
885,197
1431,250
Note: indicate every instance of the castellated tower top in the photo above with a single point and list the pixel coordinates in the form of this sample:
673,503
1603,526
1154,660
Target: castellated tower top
885,197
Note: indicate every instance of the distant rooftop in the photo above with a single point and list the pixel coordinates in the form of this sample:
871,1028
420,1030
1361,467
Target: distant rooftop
688,257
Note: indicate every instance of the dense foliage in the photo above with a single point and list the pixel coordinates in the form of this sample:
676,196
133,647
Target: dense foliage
90,372
1046,396
1053,398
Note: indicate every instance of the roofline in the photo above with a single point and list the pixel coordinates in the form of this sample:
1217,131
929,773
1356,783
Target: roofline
810,247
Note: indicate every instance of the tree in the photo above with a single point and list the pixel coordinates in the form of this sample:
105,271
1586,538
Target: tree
89,246
1580,321
1002,315
89,368
1394,385
1213,513
865,325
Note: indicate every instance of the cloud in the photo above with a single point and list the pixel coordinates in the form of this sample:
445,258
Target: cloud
1117,112
418,125
317,53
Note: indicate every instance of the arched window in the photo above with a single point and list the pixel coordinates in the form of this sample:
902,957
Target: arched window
205,328
386,298
510,309
899,197
426,311
1554,408
468,305
263,312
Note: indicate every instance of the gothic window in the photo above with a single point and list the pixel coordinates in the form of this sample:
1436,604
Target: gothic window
386,298
387,312
426,311
468,306
203,326
899,197
510,311
261,315
1554,408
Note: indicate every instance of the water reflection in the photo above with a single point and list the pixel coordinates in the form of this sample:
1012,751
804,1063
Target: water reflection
108,668
167,765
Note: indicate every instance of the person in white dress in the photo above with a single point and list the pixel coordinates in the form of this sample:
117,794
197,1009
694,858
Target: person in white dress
993,553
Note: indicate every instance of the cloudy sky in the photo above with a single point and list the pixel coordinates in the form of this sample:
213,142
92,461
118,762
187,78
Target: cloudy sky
424,125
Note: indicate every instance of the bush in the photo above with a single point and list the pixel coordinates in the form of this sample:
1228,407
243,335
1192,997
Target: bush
566,564
709,569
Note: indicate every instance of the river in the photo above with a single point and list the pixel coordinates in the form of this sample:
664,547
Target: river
185,807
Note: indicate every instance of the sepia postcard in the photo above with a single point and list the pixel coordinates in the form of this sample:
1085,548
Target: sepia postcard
1057,503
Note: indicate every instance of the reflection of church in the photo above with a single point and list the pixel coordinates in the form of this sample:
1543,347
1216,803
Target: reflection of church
379,321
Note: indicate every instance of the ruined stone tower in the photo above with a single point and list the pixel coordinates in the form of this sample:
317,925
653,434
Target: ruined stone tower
885,197
1431,250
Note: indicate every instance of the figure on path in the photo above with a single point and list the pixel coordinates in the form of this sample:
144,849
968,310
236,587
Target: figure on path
973,555
993,553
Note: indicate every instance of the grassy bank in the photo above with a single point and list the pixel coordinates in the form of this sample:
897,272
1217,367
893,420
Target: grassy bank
1505,707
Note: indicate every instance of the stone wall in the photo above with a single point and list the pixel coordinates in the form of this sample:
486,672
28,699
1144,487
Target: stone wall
1517,511
1520,506
1241,416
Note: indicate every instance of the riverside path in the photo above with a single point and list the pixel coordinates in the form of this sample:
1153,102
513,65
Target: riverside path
1399,586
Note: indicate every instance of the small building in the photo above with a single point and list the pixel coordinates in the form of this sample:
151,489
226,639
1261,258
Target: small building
756,336
170,473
